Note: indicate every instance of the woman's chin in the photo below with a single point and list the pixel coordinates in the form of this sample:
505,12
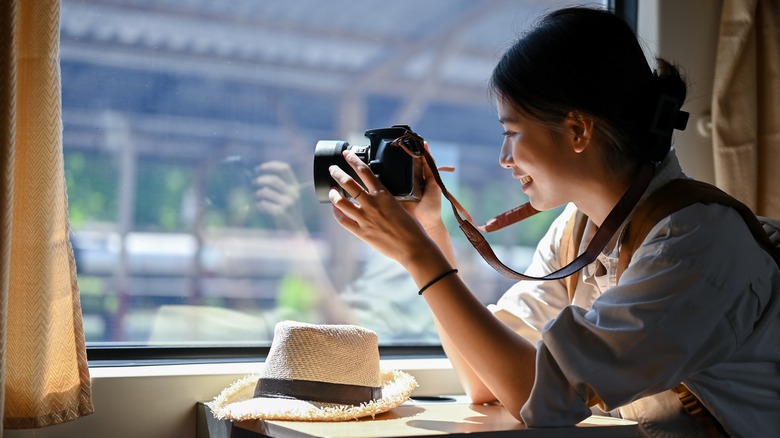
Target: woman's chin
544,205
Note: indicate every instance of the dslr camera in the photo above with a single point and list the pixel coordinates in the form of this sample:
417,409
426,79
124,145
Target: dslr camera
400,172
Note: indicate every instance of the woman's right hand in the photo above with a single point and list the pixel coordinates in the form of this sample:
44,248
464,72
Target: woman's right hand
377,218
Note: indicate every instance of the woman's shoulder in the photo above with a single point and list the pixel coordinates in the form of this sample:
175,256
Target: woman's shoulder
688,212
704,236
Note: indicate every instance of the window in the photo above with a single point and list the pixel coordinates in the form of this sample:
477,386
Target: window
177,113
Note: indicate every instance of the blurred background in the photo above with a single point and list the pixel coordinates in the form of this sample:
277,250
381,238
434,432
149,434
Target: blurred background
189,131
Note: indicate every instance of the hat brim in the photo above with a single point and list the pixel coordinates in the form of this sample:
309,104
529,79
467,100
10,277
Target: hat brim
236,402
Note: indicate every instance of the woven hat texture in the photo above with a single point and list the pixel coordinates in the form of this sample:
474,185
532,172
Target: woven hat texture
327,353
345,354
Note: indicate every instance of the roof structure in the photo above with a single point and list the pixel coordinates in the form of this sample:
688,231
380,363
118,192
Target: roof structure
189,76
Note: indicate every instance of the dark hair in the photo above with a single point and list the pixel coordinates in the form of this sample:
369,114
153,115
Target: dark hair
589,61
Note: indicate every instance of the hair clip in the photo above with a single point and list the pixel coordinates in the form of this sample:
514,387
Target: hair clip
668,116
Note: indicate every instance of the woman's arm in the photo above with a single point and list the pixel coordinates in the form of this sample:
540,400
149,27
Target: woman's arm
472,384
490,358
499,357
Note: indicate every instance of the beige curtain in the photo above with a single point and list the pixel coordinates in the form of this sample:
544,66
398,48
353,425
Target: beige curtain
44,378
746,104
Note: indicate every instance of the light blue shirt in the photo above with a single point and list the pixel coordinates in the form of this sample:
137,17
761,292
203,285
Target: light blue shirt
699,304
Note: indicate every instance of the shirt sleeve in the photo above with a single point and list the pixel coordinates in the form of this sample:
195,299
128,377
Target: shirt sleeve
665,320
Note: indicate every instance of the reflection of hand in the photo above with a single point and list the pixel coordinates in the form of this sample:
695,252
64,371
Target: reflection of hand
277,193
306,291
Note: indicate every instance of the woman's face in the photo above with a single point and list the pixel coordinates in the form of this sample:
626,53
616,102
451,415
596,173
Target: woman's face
538,157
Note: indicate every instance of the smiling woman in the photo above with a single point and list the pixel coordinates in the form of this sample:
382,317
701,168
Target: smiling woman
597,136
189,130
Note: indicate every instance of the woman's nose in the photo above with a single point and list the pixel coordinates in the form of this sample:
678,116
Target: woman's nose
505,156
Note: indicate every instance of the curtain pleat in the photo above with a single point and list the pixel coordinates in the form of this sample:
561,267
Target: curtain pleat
746,104
7,124
45,377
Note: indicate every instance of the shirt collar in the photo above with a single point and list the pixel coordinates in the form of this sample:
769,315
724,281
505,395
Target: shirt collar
669,169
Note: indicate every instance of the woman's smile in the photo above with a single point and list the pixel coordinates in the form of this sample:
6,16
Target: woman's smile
526,180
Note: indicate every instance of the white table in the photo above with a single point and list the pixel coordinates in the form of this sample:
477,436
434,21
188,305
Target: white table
428,419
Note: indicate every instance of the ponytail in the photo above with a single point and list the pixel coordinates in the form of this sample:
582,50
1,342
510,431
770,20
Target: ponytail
669,91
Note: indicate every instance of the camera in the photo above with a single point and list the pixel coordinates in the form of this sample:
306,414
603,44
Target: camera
398,170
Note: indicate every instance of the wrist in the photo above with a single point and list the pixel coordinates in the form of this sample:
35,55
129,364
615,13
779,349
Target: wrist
441,237
437,279
435,227
426,259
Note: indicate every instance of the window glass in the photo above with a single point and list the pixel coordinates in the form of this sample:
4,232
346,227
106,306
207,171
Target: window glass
189,133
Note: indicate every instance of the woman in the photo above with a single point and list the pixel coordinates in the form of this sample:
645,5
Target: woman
580,107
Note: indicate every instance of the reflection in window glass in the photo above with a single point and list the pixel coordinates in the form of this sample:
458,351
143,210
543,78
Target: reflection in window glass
189,131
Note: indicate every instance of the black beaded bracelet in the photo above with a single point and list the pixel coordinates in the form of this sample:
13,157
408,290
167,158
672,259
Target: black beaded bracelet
451,271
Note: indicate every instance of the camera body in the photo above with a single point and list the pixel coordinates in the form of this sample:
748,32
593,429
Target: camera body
400,172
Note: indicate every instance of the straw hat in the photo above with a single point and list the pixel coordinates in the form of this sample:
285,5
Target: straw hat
316,373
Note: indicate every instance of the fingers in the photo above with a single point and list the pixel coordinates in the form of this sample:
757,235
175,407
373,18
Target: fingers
273,195
363,172
280,168
278,176
269,201
345,212
349,184
275,183
345,182
341,217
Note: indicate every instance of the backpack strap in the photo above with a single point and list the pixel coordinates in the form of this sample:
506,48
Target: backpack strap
696,409
570,245
674,196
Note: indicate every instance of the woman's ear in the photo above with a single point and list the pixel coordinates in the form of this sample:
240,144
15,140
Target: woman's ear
579,129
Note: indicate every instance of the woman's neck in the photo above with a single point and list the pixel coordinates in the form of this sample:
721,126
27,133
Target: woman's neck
599,195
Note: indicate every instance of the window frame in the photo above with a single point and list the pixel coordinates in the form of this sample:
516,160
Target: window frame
111,356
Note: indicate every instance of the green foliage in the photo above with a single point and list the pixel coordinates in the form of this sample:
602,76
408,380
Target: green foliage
160,190
297,298
229,196
92,185
93,182
165,194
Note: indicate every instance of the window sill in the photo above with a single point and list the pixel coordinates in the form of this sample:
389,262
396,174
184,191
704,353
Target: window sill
159,401
421,368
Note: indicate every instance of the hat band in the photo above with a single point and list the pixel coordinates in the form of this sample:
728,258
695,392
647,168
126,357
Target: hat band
322,392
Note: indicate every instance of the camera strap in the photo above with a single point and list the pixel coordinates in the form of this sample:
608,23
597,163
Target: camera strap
603,235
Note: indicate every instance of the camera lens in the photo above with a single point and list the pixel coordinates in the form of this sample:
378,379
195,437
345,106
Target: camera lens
398,169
